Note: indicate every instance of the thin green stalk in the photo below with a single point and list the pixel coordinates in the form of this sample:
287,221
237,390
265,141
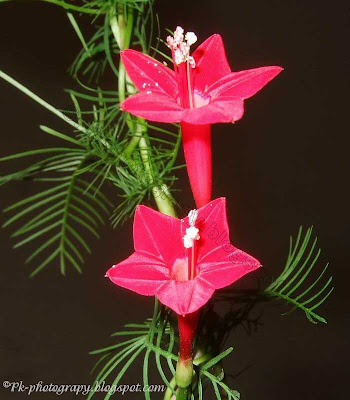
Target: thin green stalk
42,102
169,391
68,6
160,193
134,141
202,359
182,393
64,224
122,31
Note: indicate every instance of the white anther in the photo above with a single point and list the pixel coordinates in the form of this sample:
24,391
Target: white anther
191,236
144,85
171,42
191,38
181,45
178,35
179,57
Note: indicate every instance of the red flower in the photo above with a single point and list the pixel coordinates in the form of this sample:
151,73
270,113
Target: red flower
216,93
183,279
201,91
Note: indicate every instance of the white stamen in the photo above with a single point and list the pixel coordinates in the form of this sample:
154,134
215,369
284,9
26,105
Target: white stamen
178,35
179,57
192,233
191,236
144,85
191,38
180,45
171,42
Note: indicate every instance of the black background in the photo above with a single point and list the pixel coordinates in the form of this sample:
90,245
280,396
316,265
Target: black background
284,164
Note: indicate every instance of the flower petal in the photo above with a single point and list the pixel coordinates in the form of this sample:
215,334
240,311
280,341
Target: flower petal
154,107
149,74
140,273
231,106
158,235
185,297
213,229
211,63
243,84
209,114
230,268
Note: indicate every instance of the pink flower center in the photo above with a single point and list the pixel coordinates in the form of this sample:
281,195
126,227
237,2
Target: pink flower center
179,270
200,100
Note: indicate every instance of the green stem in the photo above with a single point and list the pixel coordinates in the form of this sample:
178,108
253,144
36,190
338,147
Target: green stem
122,32
160,193
42,102
64,225
134,141
182,393
169,391
202,359
121,24
65,218
68,6
197,361
154,319
121,82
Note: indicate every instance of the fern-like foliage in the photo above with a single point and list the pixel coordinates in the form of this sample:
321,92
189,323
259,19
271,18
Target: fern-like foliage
298,284
76,174
102,49
157,337
53,219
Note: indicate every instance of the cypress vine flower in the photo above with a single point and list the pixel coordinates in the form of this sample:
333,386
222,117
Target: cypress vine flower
182,262
202,90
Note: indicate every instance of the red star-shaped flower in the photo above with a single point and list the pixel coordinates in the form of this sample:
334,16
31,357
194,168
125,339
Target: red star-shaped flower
183,278
200,91
216,93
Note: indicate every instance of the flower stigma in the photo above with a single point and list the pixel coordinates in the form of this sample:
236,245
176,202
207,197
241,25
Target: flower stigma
192,233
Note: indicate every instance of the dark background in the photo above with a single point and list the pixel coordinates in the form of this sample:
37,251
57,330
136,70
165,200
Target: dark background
284,164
